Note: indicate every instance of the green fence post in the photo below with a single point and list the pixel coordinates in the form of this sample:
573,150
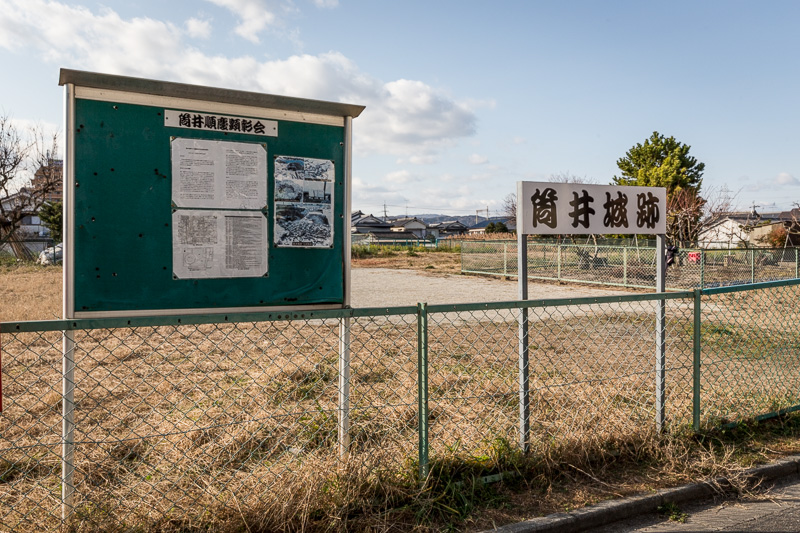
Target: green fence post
696,362
422,386
505,260
752,265
796,263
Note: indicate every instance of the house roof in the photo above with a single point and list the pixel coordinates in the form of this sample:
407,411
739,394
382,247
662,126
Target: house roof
393,235
369,220
448,225
402,222
22,198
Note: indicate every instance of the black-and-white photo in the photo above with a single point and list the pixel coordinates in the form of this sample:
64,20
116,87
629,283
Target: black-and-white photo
304,202
317,192
303,225
288,190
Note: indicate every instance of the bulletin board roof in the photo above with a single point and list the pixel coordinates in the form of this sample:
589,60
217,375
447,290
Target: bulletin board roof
211,94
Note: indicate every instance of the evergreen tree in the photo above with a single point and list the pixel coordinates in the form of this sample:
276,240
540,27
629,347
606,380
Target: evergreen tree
660,162
51,215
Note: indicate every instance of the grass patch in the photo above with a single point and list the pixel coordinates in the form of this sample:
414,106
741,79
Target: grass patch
673,512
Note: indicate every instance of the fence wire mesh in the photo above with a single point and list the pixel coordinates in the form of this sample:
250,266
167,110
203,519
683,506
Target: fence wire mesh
631,266
751,353
186,426
591,370
183,425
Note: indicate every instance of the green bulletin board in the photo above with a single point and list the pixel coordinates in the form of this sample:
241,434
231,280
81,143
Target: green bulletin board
120,187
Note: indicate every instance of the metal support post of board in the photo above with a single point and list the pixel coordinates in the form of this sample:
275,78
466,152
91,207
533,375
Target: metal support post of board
422,388
344,387
524,385
68,426
696,363
661,308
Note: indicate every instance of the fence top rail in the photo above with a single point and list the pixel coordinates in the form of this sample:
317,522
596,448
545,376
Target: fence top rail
751,286
186,320
559,302
478,242
179,320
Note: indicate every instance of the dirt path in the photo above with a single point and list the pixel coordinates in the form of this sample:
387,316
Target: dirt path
379,287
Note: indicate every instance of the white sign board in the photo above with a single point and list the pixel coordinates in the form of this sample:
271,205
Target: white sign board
545,208
218,174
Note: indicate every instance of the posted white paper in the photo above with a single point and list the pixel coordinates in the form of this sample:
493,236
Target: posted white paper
218,244
218,174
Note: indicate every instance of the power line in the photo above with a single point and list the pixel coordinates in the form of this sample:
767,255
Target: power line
383,206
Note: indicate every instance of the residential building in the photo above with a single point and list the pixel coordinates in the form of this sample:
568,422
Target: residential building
411,225
442,230
361,223
742,229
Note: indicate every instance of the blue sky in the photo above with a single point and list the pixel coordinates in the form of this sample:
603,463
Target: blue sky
464,98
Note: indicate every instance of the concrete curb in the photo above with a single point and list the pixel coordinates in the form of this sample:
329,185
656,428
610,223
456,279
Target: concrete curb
611,511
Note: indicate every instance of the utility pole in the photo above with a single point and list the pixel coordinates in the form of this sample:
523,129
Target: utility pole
479,211
385,216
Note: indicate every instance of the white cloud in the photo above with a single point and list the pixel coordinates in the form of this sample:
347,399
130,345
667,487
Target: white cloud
405,118
401,176
784,178
254,16
200,29
476,159
326,3
418,160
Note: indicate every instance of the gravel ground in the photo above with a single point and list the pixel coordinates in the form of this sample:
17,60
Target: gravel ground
380,287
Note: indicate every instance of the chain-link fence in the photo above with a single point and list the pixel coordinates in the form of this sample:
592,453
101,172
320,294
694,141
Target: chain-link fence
631,266
196,422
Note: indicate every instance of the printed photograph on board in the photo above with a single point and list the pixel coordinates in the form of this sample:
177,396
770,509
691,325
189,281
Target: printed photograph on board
304,202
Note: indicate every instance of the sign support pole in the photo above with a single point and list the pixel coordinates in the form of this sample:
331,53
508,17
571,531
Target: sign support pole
661,344
545,208
524,383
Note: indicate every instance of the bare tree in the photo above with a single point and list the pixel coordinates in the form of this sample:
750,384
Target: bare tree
689,215
566,177
28,176
510,206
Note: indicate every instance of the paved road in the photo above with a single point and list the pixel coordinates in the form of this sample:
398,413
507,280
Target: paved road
776,510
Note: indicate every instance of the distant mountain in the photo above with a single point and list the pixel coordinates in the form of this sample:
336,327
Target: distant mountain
467,220
433,218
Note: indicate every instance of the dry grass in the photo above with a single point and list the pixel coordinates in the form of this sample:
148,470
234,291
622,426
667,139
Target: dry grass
431,262
613,265
30,292
234,427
